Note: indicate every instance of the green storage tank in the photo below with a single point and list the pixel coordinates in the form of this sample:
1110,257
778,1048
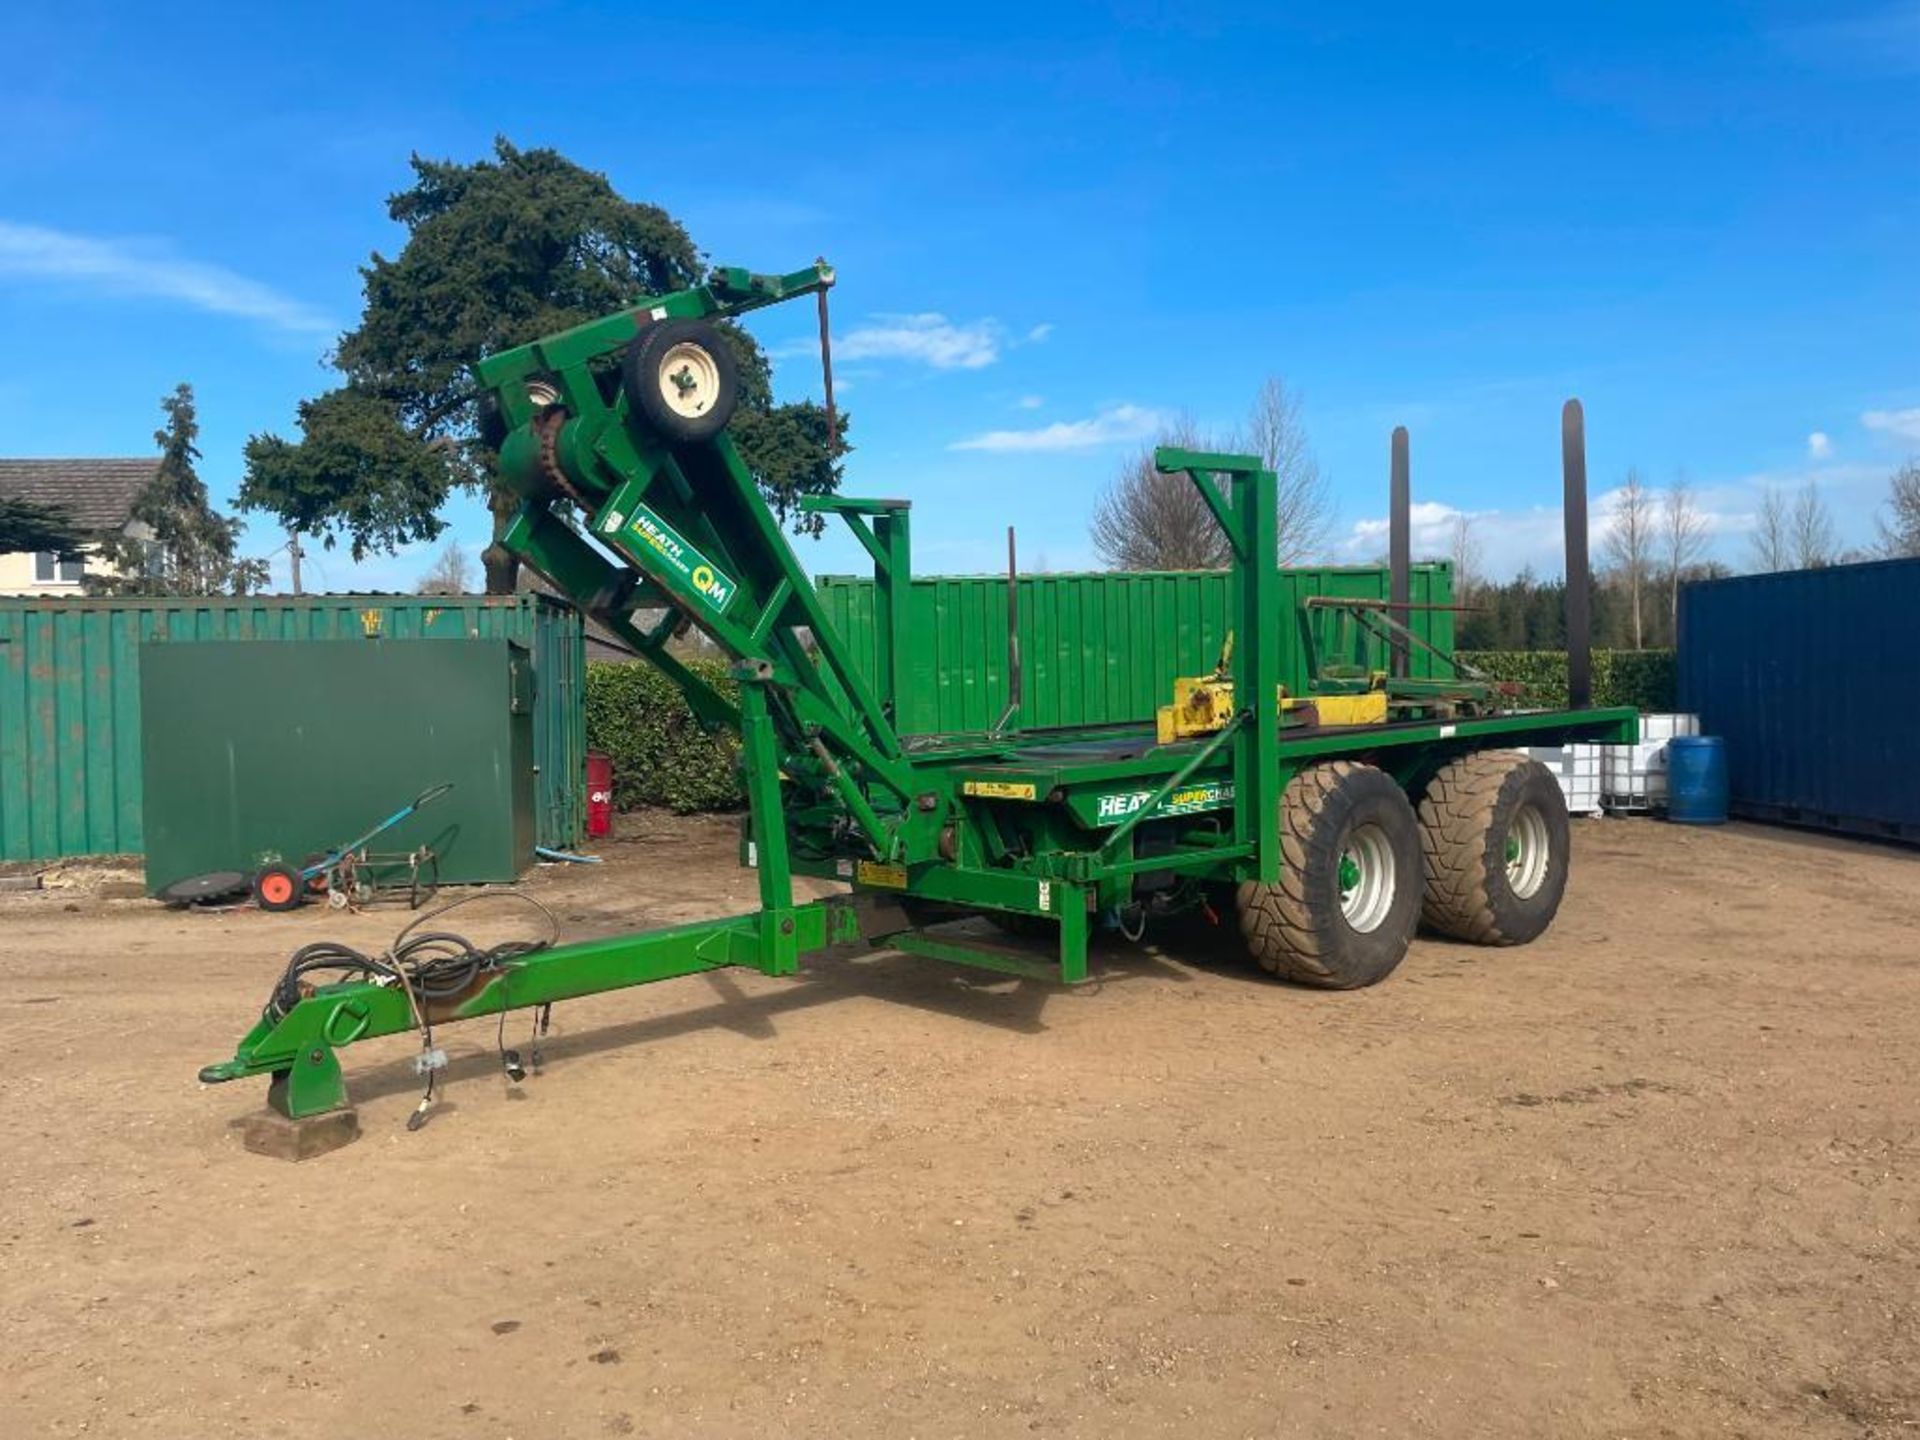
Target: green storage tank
254,753
1097,648
70,770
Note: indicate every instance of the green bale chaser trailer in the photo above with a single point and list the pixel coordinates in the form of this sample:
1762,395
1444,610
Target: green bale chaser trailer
1331,821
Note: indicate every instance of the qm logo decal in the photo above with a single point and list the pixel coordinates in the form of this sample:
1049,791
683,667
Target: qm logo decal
677,554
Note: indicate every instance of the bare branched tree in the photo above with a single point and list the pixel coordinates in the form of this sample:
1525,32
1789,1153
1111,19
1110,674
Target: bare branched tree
1683,535
1811,529
1772,547
452,573
1464,551
1629,545
1900,526
1276,433
1150,521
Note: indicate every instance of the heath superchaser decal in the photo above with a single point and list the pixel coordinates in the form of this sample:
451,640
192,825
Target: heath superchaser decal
703,577
1203,795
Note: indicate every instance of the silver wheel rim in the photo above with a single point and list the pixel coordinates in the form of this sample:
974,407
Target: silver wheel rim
689,379
1367,878
1528,851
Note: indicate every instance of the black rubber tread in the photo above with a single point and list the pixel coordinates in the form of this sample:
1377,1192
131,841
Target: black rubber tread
643,392
1464,816
297,890
1294,928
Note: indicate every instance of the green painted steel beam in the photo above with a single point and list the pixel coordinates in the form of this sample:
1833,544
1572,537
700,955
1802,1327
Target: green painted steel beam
958,952
301,1043
730,291
1618,725
851,505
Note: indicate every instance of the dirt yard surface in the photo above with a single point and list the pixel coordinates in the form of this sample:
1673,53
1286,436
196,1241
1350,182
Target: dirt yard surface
1657,1174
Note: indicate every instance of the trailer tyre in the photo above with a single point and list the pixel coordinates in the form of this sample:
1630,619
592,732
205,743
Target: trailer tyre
1348,898
680,375
1494,829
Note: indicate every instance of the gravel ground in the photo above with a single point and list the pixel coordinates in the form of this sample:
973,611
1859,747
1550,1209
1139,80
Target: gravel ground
1657,1174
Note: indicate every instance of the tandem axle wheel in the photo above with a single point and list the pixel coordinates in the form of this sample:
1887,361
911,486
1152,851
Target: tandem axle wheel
1484,859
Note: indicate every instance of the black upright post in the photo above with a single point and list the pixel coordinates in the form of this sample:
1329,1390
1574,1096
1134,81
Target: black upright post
1573,468
1400,544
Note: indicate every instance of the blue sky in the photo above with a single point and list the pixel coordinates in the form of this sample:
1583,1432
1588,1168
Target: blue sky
1054,225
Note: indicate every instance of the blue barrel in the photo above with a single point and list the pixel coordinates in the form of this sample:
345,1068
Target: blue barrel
1697,780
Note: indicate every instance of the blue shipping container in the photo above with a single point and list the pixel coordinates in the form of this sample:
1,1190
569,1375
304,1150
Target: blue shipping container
1813,679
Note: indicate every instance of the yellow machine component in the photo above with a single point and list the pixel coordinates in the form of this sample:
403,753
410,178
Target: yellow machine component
1367,709
1202,704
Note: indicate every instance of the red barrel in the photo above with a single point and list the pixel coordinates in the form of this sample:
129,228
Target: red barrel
599,794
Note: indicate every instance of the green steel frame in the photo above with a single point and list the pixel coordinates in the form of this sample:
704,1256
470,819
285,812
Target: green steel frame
1057,829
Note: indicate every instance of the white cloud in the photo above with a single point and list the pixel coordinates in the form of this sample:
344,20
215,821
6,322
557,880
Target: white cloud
1533,537
929,338
1904,423
121,267
1726,509
1111,426
1819,445
1031,402
1430,521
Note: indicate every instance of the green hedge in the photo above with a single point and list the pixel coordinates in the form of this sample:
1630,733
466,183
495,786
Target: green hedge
662,757
660,754
1644,679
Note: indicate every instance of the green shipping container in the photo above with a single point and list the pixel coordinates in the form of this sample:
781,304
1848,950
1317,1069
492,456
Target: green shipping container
70,762
257,753
1097,648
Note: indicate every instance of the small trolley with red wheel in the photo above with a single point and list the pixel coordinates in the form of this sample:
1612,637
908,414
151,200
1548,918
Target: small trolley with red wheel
351,874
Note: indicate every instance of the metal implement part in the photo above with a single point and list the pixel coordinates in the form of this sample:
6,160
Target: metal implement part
1050,832
350,874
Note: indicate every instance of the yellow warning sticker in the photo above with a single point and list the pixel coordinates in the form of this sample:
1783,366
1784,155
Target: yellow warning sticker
999,789
872,872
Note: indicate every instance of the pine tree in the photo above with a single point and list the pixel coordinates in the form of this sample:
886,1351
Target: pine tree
184,547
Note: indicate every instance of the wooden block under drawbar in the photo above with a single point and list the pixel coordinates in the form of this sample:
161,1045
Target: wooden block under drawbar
268,1132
